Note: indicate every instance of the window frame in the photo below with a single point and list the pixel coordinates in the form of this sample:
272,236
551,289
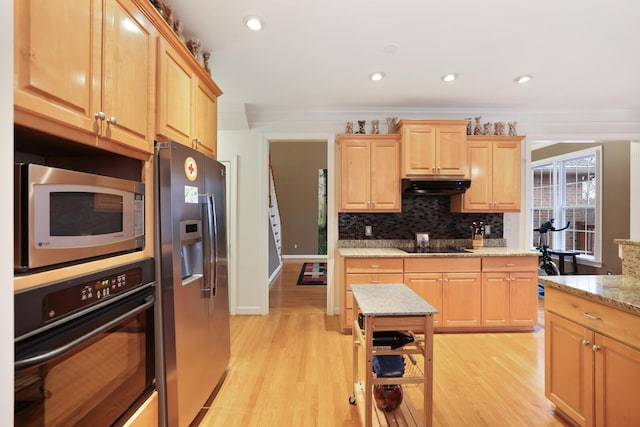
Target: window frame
559,210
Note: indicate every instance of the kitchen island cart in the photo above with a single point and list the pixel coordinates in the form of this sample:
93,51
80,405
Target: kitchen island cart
393,307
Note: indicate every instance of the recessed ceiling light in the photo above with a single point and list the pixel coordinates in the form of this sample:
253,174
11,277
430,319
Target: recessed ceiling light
253,22
377,76
523,79
449,77
390,48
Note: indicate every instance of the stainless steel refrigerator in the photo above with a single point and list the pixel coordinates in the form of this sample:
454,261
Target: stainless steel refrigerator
194,306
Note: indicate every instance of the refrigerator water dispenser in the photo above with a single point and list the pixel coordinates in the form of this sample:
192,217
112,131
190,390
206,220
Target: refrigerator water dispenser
191,248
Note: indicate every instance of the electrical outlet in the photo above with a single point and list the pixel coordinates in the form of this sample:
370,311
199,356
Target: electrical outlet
368,231
487,230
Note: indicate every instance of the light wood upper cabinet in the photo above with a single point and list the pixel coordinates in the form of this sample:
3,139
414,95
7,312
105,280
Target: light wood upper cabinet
95,84
494,164
369,173
187,100
434,148
175,94
206,119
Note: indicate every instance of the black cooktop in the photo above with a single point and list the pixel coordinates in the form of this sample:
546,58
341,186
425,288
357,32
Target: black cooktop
430,250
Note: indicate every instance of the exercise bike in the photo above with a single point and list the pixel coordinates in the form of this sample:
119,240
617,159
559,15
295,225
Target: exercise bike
546,266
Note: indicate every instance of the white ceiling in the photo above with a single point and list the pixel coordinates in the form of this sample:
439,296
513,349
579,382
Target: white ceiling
317,55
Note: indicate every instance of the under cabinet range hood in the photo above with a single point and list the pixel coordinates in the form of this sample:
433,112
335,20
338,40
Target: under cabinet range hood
435,187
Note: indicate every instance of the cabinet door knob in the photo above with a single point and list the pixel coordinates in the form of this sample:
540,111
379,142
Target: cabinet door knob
586,342
596,347
112,121
100,115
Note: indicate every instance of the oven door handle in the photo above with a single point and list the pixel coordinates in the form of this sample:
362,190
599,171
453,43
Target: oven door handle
52,354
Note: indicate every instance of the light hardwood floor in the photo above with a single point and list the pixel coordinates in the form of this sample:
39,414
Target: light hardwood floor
293,367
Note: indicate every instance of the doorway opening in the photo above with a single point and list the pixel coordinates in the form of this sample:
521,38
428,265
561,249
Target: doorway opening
322,212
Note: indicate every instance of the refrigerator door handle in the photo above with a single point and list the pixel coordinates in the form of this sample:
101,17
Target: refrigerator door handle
212,237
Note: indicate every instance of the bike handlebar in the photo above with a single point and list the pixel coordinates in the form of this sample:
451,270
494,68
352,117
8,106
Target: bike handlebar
548,226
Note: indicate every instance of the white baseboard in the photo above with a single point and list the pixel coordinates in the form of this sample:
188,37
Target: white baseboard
275,273
301,258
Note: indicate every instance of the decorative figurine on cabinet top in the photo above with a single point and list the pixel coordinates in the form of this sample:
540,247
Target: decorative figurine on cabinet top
477,130
498,128
375,127
469,130
349,129
194,46
512,128
178,28
361,124
205,59
392,125
486,129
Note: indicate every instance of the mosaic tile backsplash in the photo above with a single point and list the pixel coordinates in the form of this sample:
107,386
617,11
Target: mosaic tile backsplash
428,214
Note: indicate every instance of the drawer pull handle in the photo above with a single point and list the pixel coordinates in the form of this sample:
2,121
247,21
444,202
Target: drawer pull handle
591,316
596,347
511,265
585,343
375,266
375,281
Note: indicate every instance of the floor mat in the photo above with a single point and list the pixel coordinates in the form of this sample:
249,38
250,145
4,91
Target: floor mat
313,273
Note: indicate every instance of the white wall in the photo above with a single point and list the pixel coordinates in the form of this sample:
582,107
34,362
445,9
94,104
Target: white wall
634,191
250,288
250,149
6,215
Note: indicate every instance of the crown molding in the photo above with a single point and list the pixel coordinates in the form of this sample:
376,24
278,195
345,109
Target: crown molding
538,125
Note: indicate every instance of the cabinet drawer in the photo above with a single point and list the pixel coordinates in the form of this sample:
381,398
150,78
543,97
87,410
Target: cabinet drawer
372,278
440,264
374,265
510,263
606,320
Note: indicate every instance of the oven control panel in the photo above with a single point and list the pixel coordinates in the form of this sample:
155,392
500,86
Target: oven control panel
65,301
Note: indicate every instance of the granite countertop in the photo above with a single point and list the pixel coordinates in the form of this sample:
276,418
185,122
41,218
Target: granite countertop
394,252
390,300
618,291
626,242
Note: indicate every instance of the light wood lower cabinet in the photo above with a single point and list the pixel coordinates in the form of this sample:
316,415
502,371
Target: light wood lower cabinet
495,292
451,285
509,291
429,287
361,271
461,299
592,360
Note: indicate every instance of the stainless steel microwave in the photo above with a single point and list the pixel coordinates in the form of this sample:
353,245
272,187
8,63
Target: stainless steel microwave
64,216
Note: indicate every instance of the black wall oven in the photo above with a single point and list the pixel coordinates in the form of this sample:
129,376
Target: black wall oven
84,348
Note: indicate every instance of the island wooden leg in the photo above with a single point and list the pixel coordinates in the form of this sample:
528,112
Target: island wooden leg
368,369
428,371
